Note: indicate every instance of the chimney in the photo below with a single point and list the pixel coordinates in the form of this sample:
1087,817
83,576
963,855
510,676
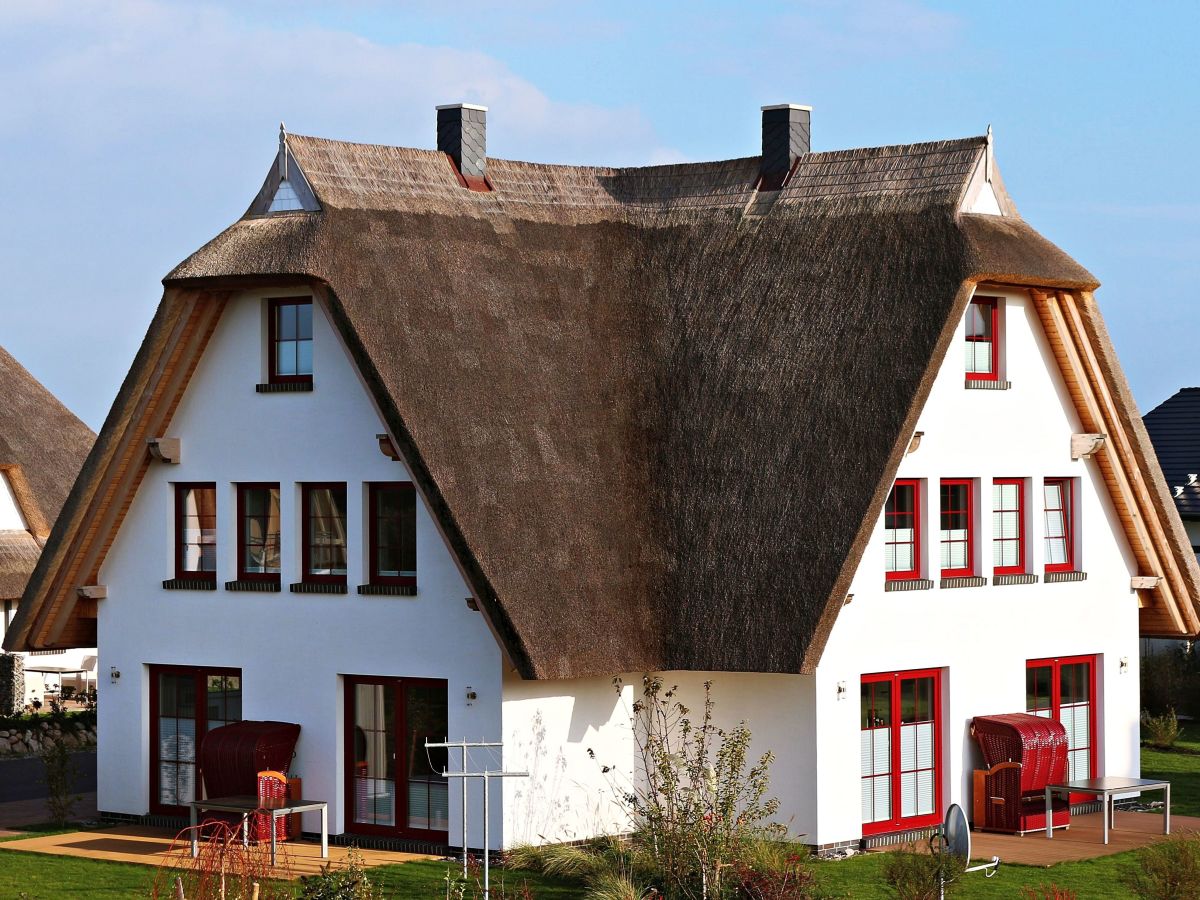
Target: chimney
462,135
785,138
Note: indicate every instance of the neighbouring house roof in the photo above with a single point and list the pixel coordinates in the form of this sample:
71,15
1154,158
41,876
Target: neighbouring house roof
656,425
42,446
1174,427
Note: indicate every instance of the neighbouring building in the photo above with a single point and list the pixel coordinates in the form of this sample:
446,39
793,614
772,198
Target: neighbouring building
42,446
434,444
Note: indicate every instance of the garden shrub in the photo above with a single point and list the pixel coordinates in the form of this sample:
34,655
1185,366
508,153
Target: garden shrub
1161,731
348,883
915,875
1168,870
1048,892
1171,680
59,778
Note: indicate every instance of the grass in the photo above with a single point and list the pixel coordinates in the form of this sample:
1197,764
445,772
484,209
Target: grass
1181,767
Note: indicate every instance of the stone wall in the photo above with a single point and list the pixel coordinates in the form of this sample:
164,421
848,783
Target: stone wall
12,684
30,737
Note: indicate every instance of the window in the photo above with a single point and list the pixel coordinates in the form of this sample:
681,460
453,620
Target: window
324,533
957,533
1008,526
981,343
11,518
393,533
900,750
185,704
196,531
902,531
1060,523
258,532
289,340
1063,689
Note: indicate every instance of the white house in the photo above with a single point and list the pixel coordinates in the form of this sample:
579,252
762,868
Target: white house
42,446
433,444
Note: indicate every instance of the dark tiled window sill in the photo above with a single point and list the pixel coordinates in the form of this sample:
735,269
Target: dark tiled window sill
973,384
285,387
1054,577
963,581
1014,579
389,590
909,584
263,587
314,587
189,584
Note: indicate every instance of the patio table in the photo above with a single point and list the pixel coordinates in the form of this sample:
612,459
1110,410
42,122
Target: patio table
1106,789
250,804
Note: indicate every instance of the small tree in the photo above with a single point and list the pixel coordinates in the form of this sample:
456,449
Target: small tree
697,804
59,778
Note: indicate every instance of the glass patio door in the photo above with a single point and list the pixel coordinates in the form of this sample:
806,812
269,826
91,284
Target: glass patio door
900,750
1064,688
395,784
185,704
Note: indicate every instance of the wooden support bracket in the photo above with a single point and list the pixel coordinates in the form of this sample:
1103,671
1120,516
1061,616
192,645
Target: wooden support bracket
1085,446
1144,582
165,449
92,592
915,442
387,448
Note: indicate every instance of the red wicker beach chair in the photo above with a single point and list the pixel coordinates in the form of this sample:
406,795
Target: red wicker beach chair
1023,753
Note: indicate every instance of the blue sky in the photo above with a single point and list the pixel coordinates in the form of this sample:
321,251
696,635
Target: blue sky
135,130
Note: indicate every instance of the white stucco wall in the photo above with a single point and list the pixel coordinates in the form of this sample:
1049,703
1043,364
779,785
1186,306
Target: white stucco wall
550,726
981,637
291,648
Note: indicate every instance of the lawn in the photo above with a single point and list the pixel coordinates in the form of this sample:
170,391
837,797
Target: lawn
36,877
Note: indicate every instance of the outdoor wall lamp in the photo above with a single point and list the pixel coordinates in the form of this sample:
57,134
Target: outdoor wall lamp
1123,665
841,690
471,695
114,674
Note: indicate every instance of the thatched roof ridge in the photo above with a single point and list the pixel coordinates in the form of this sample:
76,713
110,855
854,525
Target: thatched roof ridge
42,446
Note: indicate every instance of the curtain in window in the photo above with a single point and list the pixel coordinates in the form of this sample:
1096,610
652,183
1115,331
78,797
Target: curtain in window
198,529
327,531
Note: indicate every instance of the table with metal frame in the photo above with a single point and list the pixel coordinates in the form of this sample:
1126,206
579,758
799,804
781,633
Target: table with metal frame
1106,789
248,804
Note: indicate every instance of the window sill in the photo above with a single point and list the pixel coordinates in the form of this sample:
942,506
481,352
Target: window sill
963,581
388,590
285,387
974,384
189,584
316,587
908,584
1014,579
1055,577
264,587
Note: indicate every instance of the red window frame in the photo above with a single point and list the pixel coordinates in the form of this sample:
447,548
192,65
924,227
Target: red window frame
890,515
374,489
1019,568
200,692
400,722
1055,664
242,574
969,569
897,822
273,307
181,487
990,308
306,490
1067,486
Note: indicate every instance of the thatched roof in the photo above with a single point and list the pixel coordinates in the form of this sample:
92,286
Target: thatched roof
42,446
656,415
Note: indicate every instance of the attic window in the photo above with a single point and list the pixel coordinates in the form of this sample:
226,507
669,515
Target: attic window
290,340
286,199
11,518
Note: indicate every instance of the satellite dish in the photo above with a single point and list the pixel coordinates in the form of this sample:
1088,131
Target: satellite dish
957,833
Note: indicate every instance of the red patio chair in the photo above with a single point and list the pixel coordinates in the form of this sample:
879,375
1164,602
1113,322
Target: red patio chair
1023,753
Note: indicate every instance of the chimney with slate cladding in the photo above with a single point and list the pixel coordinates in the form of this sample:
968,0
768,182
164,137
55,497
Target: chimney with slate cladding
785,138
462,135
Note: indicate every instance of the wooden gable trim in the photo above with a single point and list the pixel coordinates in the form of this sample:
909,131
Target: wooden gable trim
114,471
1168,607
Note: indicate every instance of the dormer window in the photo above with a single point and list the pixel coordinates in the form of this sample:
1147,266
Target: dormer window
290,340
11,518
982,339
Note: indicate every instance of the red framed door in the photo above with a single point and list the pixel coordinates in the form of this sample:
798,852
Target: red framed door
900,724
394,785
185,704
1064,688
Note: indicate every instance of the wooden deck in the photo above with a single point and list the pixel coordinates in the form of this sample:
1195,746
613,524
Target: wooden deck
1084,839
159,847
